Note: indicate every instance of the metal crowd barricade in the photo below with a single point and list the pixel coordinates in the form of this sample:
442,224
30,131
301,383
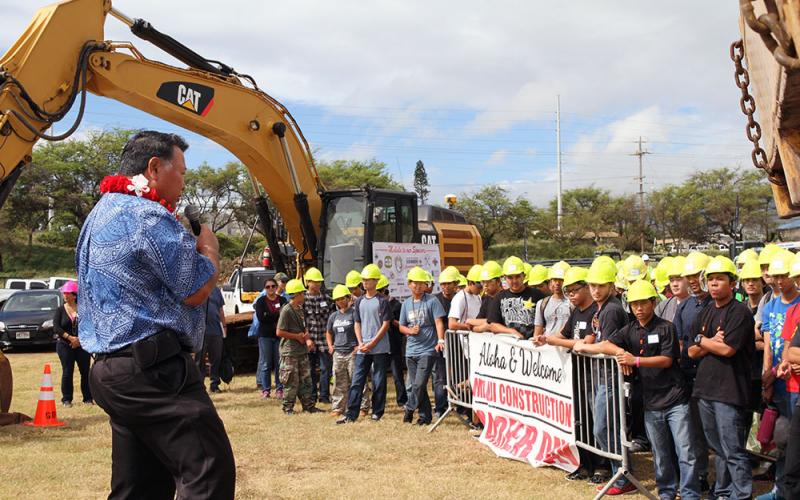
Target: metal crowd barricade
598,379
459,390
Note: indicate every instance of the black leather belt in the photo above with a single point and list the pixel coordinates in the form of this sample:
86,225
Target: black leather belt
150,351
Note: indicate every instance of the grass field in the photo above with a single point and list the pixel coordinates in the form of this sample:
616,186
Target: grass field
303,456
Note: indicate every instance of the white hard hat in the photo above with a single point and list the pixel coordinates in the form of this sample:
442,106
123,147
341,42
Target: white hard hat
645,257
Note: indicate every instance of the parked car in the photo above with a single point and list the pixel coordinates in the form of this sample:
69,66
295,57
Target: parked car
26,284
26,318
56,282
5,293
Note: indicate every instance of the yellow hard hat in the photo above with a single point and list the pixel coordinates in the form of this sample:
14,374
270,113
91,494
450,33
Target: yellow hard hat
766,254
620,282
794,270
602,270
295,286
780,263
720,264
538,275
371,272
313,274
696,262
635,268
449,274
417,274
574,275
513,265
676,266
746,256
383,282
474,273
430,277
557,270
641,290
462,280
660,277
527,267
491,270
340,291
353,279
751,270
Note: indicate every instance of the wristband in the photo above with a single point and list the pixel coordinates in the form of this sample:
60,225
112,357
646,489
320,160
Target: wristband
441,341
637,361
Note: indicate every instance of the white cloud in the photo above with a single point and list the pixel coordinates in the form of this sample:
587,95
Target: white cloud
497,158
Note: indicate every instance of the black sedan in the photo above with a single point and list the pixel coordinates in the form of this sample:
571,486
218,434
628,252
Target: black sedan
26,318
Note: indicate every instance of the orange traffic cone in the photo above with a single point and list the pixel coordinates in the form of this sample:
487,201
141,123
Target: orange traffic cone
46,409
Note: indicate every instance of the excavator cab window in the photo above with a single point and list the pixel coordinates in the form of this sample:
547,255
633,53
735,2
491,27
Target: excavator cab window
392,220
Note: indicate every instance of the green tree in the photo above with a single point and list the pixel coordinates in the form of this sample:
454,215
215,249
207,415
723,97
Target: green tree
585,215
496,215
216,192
346,174
674,213
421,185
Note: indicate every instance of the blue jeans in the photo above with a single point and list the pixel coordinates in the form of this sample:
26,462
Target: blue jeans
786,403
605,409
670,435
439,382
723,425
269,361
321,384
379,363
419,371
69,357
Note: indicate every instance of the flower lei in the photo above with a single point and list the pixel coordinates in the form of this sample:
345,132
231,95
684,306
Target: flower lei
136,185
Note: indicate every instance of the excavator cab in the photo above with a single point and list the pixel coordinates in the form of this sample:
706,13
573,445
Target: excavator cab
352,219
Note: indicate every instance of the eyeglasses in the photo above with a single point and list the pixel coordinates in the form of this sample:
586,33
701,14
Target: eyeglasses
573,291
476,283
271,286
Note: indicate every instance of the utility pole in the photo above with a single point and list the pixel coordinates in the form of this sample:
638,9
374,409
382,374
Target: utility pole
559,212
640,153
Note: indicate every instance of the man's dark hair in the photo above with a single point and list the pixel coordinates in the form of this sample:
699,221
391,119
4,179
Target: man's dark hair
145,145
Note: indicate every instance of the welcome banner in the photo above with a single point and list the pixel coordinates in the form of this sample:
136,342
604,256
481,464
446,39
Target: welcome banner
523,396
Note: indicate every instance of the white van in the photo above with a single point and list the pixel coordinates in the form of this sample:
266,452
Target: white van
56,282
26,284
243,287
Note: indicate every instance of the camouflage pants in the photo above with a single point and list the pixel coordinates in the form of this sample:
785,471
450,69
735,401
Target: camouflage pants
343,367
295,376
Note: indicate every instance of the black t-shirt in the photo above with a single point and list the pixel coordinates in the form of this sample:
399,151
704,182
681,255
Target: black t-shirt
445,303
395,337
612,317
722,379
515,310
268,312
486,303
662,387
579,323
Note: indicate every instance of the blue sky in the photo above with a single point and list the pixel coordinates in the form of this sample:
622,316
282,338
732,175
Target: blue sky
470,89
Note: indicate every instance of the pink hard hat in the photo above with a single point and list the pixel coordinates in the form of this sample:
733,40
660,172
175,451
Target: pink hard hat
70,287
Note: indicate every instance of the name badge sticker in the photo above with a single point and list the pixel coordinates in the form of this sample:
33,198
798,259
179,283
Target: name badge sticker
581,325
652,338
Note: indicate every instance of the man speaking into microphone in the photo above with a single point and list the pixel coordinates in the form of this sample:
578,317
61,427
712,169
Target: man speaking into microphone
143,282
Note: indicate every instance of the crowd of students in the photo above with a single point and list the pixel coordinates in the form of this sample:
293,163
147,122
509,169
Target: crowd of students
701,340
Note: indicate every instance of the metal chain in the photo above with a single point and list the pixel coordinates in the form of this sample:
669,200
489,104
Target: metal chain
772,32
748,105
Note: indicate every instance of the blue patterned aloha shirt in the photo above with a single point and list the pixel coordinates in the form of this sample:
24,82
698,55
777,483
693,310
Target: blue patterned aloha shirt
136,265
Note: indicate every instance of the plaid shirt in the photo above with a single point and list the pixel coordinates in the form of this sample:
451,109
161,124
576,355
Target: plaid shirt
317,309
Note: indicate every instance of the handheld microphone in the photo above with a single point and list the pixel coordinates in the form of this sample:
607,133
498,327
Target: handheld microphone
192,214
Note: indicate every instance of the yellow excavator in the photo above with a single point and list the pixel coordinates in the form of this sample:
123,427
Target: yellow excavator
767,71
62,55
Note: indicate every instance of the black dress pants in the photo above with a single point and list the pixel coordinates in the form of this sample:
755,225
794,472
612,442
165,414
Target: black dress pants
166,434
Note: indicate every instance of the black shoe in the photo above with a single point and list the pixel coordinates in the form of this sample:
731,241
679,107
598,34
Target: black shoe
288,411
375,418
423,422
215,390
639,447
579,475
89,402
313,409
599,478
326,401
344,420
704,486
408,417
67,404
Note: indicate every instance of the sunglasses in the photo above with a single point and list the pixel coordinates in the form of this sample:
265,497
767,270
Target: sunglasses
271,286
